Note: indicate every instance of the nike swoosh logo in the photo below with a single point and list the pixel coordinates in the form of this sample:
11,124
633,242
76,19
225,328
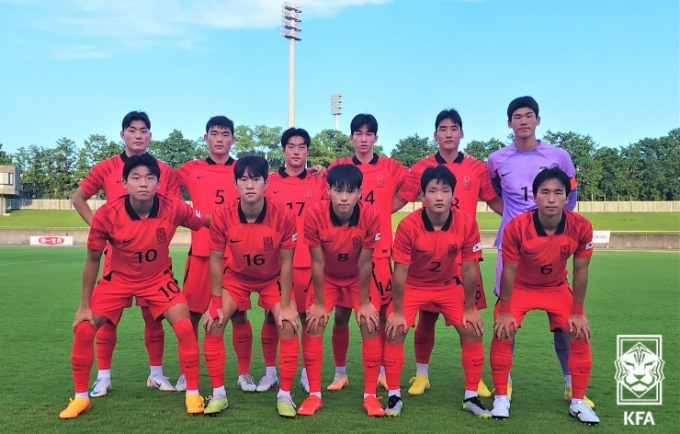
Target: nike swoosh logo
235,241
372,366
127,241
505,174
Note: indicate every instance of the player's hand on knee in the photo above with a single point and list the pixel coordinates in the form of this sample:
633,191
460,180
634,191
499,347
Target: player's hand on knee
316,316
83,314
370,315
501,327
472,317
288,313
394,321
579,328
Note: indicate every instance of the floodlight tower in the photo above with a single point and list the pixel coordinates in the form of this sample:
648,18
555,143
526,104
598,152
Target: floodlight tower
336,107
290,29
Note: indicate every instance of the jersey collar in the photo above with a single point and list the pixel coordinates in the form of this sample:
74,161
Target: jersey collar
212,162
133,215
259,219
374,160
124,156
441,160
428,224
302,175
539,227
353,220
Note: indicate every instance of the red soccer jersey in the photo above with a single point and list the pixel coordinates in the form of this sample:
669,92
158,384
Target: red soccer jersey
140,246
255,247
472,181
431,255
542,259
209,185
107,175
299,193
383,176
342,244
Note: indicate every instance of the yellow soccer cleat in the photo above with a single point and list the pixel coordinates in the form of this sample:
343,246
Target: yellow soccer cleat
194,404
339,382
75,407
483,390
586,400
419,384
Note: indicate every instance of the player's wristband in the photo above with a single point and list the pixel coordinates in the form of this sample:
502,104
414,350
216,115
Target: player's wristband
215,303
577,308
505,306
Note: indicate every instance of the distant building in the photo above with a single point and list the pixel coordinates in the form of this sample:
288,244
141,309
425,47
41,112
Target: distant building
10,186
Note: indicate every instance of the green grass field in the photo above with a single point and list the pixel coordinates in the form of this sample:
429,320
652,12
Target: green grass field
629,293
652,222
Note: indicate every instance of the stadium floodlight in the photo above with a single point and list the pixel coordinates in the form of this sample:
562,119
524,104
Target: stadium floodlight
290,29
336,107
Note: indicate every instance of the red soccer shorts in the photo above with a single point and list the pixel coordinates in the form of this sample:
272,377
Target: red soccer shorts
269,293
480,297
110,297
449,301
381,281
196,285
302,283
556,302
347,290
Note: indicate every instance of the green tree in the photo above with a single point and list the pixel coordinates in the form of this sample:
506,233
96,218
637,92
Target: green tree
329,145
5,158
613,182
261,140
481,150
62,182
35,165
412,149
175,149
582,150
95,148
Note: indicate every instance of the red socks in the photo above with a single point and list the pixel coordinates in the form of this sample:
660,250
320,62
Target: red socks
371,352
82,356
501,363
242,340
215,357
580,364
340,340
472,358
423,337
106,341
188,351
394,363
289,354
154,337
269,337
312,351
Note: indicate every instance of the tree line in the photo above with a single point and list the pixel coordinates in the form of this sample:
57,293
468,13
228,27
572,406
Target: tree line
648,169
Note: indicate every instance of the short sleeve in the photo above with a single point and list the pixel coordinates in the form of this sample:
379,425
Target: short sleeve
172,189
94,181
511,241
189,217
289,234
402,243
373,234
400,173
312,229
472,245
99,234
182,174
486,190
585,241
218,229
411,187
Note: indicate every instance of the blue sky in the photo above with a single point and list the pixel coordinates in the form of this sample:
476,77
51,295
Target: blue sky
71,68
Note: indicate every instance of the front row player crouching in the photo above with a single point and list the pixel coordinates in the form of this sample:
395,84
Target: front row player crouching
261,236
426,245
139,227
342,233
536,247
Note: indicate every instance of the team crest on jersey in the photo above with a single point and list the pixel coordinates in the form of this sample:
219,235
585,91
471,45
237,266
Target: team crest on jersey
160,235
268,243
564,252
380,180
309,192
467,183
453,250
356,242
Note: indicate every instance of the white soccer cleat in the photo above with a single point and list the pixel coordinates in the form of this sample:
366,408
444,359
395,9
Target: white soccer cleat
267,382
160,382
474,405
246,383
501,408
181,385
100,387
583,413
304,383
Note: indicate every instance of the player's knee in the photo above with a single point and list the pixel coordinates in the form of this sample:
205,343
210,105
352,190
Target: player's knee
85,332
239,317
399,337
287,331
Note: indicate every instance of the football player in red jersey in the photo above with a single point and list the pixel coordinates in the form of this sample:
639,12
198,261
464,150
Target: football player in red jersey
383,177
105,175
139,227
536,247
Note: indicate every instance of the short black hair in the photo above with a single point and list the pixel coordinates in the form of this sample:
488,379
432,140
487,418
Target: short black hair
220,121
136,116
295,132
141,160
364,119
451,114
252,165
552,173
441,174
522,102
345,176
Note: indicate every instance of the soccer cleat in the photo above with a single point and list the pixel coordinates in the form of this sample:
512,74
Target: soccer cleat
382,382
267,382
246,383
419,384
216,404
304,383
394,406
285,406
475,406
340,381
501,408
310,406
194,404
567,397
100,387
510,392
160,382
75,407
373,407
181,385
581,411
483,390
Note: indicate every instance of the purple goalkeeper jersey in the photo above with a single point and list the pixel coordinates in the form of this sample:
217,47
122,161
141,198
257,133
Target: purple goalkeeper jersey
512,173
